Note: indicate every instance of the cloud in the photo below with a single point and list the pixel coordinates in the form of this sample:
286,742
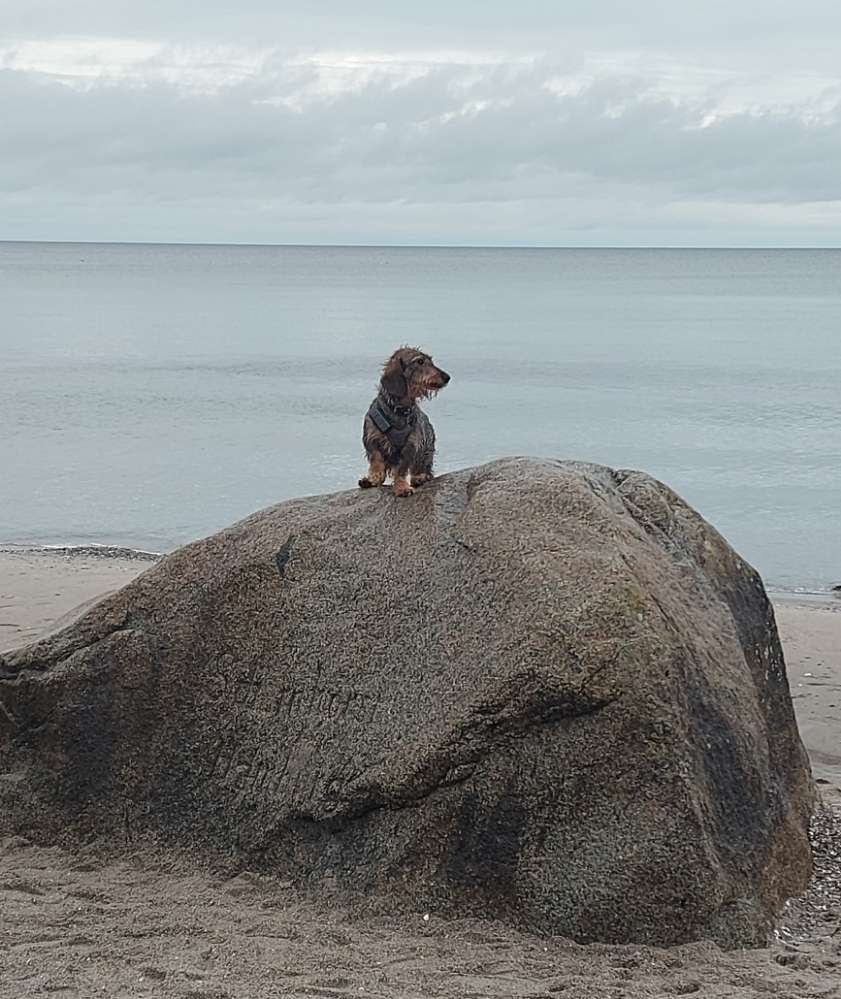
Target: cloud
223,139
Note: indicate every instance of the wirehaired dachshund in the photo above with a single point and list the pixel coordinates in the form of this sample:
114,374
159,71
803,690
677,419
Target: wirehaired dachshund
397,435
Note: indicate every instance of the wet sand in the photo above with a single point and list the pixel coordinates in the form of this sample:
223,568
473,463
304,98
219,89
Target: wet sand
152,925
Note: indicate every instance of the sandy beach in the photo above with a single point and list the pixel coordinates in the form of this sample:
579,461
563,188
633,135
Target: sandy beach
152,926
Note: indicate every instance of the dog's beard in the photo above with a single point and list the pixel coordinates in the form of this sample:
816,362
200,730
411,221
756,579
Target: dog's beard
428,391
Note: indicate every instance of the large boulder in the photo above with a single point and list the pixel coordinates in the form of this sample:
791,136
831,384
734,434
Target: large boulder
542,691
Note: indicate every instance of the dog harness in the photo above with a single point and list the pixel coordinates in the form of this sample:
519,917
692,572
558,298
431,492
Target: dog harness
396,422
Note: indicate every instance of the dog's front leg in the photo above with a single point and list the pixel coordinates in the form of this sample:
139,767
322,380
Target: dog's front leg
376,471
403,472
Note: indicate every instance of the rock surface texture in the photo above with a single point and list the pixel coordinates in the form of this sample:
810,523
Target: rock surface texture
541,691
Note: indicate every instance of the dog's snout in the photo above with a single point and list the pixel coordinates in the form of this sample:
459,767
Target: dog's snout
444,376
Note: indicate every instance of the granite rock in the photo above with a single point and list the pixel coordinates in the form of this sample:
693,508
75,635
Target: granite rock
540,691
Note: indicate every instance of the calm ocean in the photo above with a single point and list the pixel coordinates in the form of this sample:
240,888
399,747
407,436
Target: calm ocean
152,394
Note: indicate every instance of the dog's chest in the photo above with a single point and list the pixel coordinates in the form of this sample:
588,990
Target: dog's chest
398,429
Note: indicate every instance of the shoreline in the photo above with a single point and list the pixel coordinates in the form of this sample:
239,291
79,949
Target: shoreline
806,597
829,594
87,550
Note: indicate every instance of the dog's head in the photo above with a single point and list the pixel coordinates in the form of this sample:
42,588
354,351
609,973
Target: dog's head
410,374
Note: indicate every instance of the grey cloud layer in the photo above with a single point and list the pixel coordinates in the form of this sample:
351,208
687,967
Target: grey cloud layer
415,141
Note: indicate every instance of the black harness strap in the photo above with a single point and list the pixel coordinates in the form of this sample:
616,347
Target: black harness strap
380,419
396,423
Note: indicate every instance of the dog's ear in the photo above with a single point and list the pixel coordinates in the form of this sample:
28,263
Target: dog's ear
394,379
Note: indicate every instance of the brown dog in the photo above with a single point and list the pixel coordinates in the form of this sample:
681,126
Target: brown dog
397,435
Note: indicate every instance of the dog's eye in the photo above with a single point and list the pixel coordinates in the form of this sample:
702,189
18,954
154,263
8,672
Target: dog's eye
419,360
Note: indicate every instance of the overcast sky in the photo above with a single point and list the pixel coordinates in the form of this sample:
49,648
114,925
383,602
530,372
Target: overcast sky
570,122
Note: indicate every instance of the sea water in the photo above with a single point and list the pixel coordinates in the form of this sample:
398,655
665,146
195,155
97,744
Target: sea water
152,394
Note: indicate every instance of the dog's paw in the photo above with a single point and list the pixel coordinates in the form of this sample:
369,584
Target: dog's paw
422,479
402,488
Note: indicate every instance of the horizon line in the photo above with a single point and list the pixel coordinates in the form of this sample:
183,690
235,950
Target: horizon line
409,246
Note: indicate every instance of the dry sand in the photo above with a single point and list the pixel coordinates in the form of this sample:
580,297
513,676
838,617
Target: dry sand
811,637
41,591
153,925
